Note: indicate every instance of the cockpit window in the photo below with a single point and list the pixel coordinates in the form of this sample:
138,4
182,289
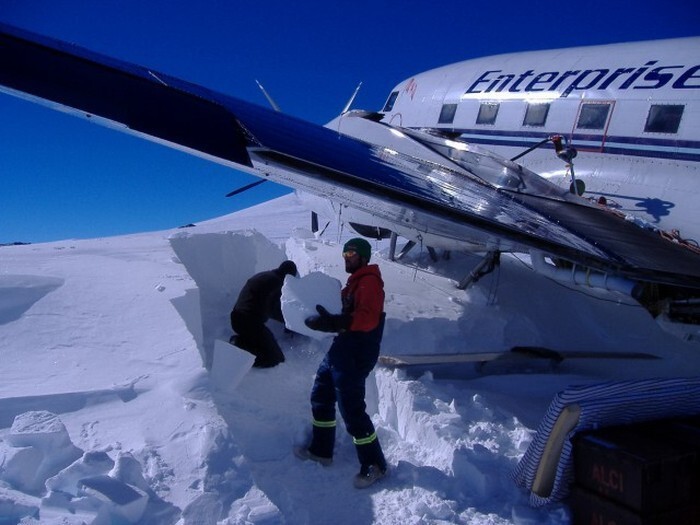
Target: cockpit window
664,118
390,101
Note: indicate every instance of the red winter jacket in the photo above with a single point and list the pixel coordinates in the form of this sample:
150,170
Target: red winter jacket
363,298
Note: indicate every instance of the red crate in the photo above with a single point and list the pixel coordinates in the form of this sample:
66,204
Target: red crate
588,508
637,468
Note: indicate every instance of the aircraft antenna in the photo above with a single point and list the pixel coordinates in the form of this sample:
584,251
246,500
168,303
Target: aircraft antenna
352,99
268,97
246,187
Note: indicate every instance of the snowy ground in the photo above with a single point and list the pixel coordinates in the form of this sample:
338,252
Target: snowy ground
108,414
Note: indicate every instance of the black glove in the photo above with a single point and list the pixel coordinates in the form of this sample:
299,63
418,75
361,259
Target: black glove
327,322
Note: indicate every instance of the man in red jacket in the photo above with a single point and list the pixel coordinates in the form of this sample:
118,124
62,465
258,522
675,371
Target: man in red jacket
341,376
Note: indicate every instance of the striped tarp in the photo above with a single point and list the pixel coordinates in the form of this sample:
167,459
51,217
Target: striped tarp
546,468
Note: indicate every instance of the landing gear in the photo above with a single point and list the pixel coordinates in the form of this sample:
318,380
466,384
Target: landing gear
392,248
407,248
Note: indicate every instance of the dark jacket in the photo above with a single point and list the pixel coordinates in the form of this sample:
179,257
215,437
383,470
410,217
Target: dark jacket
260,297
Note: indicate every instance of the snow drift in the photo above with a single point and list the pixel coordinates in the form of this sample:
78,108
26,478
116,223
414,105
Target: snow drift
112,410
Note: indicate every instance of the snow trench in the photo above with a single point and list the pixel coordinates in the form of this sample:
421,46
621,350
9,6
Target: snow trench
264,421
219,264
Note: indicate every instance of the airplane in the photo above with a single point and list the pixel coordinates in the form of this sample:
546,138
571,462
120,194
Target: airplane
597,133
630,110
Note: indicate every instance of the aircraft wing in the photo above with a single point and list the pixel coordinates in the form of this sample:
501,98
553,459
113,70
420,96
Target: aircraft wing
420,184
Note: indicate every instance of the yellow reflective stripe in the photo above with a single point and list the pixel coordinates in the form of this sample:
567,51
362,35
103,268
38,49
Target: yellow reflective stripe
365,441
323,424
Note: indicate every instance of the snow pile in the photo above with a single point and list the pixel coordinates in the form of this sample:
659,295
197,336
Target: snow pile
121,401
40,459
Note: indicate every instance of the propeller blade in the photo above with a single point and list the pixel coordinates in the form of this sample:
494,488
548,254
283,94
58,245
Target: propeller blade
352,99
268,97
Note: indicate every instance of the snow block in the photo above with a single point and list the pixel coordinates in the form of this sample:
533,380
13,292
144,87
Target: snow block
255,507
300,297
120,501
16,505
206,508
20,466
91,464
128,469
479,468
51,515
46,450
229,366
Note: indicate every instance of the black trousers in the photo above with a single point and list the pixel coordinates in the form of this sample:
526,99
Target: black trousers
256,338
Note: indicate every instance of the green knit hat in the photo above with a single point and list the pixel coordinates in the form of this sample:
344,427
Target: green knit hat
361,246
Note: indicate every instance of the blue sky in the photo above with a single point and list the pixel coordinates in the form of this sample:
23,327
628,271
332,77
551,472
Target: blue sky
64,178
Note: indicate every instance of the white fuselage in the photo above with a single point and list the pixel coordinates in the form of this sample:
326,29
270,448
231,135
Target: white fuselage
632,111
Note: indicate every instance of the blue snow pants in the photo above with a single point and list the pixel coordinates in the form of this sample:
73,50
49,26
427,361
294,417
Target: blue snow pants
340,380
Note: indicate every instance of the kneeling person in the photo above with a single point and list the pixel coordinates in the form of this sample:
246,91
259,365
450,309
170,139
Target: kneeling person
258,301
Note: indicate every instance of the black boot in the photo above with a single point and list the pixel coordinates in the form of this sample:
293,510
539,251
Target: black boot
322,441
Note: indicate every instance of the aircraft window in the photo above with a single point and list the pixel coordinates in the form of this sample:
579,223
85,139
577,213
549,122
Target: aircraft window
488,112
536,114
390,101
593,116
447,114
664,118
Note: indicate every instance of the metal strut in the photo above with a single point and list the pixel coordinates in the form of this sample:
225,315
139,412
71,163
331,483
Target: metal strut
566,154
486,266
408,247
